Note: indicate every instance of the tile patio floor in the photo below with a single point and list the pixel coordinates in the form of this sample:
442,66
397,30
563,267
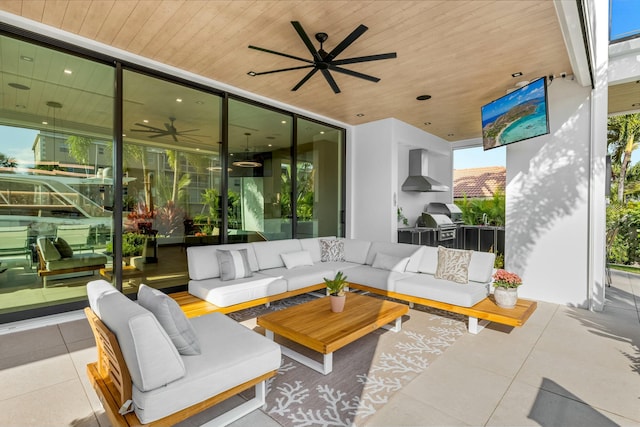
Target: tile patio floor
565,367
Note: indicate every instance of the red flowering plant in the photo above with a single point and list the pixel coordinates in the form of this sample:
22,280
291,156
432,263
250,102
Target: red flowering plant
504,279
139,219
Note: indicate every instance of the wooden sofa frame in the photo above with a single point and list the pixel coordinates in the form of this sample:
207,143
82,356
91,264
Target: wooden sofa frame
111,381
480,315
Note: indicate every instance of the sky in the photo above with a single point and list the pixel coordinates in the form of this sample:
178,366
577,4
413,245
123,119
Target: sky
625,18
478,158
17,142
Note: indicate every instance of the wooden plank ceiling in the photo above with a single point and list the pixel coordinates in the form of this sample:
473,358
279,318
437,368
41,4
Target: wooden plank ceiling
462,53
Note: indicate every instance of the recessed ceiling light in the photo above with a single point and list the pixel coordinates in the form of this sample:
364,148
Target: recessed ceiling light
178,99
360,115
197,149
516,74
19,86
45,123
269,145
26,58
427,123
449,134
68,71
321,132
283,122
423,97
145,121
252,73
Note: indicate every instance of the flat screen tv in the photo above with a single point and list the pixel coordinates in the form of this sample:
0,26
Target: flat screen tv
519,115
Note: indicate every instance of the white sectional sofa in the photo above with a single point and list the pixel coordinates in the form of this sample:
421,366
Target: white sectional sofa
166,367
394,269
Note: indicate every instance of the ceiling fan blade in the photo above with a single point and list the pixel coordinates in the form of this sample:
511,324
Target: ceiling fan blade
304,79
280,53
346,42
284,69
365,58
159,135
185,131
354,73
175,138
327,75
306,40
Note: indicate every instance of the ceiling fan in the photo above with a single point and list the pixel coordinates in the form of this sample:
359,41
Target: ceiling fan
324,61
170,130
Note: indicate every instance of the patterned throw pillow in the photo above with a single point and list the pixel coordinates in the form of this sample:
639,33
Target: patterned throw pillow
63,247
172,318
331,250
233,264
453,264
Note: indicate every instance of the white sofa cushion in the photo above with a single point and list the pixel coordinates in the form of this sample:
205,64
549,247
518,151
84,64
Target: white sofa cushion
453,264
296,259
374,277
48,250
172,319
481,266
268,253
203,260
151,357
356,250
429,260
414,253
312,245
299,278
233,264
390,262
231,355
231,292
427,286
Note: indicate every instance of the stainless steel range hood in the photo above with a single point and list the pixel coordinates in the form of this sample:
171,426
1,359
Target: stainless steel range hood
418,179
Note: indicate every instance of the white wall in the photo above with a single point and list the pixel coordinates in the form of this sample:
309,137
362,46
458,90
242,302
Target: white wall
379,154
547,202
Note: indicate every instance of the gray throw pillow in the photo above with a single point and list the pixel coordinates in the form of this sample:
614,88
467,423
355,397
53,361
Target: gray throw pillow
172,319
234,264
63,247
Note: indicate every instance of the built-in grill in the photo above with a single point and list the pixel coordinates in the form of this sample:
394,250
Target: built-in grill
445,228
448,209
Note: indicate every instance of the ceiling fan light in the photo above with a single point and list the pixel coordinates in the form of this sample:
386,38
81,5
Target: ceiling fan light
247,164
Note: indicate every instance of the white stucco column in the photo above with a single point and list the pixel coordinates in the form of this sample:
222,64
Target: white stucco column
598,34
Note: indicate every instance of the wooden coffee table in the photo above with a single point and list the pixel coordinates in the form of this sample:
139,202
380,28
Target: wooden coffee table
315,326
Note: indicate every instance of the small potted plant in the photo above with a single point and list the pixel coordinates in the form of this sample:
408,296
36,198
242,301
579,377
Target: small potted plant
506,288
335,288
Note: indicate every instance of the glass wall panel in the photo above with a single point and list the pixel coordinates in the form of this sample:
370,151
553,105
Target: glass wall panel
259,204
56,127
172,178
320,162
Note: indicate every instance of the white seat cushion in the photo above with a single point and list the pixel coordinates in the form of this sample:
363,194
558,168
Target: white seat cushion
427,286
231,355
231,292
298,278
374,277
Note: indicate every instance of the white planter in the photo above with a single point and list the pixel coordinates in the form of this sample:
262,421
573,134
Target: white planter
506,297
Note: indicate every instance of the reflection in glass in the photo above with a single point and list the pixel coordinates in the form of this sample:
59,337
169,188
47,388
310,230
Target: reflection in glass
172,181
319,180
55,174
260,155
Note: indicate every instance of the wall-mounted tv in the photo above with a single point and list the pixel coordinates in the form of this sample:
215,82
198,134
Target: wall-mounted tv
519,115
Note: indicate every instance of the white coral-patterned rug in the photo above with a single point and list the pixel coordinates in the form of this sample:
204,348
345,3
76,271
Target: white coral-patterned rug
366,373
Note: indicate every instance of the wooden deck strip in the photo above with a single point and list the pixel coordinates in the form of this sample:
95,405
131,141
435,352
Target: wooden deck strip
315,326
485,309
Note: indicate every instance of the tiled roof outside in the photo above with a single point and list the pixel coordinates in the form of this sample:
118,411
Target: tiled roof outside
478,182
